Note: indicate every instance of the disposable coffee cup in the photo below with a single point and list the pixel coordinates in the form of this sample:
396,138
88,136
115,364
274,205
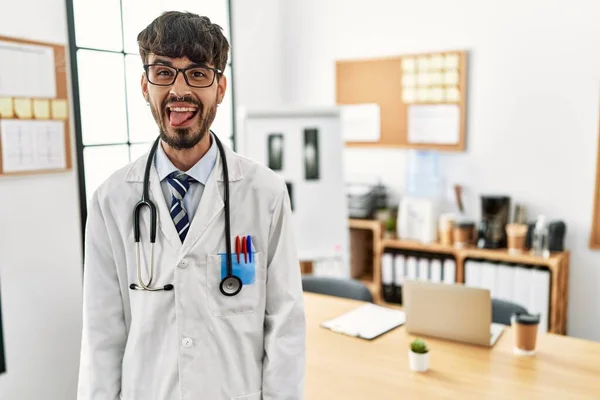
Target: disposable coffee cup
525,330
516,236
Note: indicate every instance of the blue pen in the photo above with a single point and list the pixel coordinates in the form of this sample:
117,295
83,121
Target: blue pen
249,248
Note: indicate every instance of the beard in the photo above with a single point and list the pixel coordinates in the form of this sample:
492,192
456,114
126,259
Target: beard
184,138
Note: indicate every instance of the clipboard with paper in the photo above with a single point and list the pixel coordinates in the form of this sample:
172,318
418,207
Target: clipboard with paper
366,322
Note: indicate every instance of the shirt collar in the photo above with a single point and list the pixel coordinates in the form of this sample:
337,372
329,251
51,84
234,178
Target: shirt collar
200,171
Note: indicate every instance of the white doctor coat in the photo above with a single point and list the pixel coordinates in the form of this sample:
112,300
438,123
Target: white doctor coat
192,343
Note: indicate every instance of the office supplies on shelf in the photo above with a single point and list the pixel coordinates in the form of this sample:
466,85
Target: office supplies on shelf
453,312
539,242
495,212
366,322
418,219
512,282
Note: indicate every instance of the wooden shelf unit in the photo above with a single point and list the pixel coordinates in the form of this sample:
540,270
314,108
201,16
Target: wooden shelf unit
365,255
557,264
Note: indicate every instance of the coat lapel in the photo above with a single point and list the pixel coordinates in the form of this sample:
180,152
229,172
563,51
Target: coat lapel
211,205
164,216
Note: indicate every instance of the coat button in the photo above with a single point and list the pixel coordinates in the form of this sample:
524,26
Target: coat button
183,264
187,343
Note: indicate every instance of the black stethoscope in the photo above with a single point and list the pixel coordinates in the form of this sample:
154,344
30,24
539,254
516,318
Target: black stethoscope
230,285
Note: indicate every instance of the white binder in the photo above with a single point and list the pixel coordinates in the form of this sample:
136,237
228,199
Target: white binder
436,270
411,266
424,269
399,269
540,296
449,271
487,276
505,277
473,273
522,286
387,269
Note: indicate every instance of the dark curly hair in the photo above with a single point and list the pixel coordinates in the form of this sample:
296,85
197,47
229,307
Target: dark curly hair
177,34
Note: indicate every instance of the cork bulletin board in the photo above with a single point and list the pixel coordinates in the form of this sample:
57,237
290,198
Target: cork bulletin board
34,114
422,98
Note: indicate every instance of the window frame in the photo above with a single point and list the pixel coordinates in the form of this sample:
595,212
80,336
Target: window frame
79,146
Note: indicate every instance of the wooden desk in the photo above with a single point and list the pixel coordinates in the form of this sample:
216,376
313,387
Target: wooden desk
342,367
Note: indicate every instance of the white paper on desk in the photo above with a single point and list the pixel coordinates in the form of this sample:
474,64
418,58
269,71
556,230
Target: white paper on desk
439,124
360,122
27,70
367,321
32,145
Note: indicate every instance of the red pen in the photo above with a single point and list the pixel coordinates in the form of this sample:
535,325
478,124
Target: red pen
237,248
244,249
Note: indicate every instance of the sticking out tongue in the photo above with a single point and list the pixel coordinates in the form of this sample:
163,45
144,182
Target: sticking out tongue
179,118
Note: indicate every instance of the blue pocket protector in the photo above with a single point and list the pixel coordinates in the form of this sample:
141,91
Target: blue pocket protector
246,271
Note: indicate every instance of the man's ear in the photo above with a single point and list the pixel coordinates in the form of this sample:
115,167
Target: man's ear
221,88
144,84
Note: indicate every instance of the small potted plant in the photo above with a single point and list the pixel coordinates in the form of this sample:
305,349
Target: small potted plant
390,228
418,356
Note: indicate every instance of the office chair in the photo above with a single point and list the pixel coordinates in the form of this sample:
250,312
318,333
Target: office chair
502,310
346,288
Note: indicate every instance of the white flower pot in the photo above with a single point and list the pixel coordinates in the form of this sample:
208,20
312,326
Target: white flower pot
418,362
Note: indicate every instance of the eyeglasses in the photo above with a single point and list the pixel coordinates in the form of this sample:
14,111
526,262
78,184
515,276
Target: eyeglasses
195,76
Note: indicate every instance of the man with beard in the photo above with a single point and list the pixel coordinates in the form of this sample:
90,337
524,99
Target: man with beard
157,323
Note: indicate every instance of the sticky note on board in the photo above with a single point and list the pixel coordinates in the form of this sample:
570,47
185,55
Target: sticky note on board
59,109
6,107
409,95
451,61
23,108
41,108
452,95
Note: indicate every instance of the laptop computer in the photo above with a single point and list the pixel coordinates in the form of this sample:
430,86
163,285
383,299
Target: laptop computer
455,312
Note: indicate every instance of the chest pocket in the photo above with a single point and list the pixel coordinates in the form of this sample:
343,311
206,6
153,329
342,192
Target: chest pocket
246,301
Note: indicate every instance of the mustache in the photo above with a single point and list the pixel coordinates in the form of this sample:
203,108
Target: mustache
184,99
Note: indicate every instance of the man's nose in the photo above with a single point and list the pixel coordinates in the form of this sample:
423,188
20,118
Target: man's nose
180,87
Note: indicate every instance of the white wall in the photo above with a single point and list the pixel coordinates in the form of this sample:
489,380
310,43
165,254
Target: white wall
257,49
40,252
534,90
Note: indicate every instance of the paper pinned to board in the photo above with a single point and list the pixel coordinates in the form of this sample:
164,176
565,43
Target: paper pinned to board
30,70
32,145
438,124
361,122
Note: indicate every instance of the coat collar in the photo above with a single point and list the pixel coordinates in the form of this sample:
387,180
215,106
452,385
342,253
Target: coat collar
136,172
211,202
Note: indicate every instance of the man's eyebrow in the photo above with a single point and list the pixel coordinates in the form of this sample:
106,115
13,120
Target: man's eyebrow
170,64
163,61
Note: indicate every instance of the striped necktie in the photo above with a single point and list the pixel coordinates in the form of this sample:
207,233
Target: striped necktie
180,184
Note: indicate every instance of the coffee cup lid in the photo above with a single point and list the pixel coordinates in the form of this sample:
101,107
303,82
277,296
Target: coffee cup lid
527,319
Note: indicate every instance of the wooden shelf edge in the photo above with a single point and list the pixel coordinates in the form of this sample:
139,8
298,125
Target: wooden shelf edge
368,224
555,259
